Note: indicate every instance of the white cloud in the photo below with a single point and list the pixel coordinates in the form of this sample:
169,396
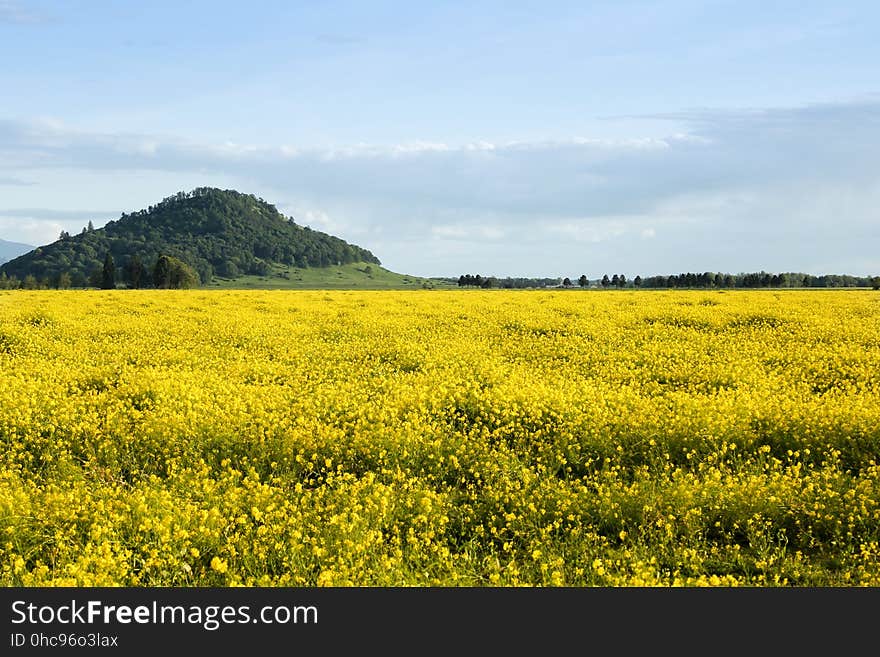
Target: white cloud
31,231
794,189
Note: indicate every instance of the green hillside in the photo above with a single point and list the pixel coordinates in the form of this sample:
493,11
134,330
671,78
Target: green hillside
218,233
358,275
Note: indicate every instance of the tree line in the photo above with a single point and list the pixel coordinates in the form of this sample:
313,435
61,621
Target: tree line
704,280
167,272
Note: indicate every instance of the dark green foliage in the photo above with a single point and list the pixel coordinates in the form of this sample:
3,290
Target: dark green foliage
64,281
761,279
108,273
211,230
136,272
469,280
171,273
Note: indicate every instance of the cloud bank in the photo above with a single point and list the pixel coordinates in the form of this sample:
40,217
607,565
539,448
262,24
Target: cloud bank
791,189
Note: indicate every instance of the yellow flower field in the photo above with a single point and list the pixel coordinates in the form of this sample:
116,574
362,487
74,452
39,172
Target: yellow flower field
463,438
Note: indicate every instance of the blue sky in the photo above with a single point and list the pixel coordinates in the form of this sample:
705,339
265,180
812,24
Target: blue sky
505,138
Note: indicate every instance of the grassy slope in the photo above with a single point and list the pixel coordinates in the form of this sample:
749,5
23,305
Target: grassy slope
355,276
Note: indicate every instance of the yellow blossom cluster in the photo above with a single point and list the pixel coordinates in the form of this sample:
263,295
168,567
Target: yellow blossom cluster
454,438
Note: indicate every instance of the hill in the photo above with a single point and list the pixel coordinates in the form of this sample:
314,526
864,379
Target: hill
221,233
357,275
10,250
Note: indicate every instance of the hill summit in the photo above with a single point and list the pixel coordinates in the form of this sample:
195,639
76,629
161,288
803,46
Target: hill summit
216,232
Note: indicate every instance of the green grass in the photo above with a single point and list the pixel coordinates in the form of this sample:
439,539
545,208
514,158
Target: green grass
355,276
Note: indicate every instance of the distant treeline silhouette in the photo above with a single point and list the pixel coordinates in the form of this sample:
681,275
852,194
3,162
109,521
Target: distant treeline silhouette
705,280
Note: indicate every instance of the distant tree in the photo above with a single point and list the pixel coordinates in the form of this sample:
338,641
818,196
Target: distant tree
637,281
96,277
64,281
30,282
108,273
621,282
615,280
162,272
136,271
90,227
64,235
582,281
875,282
229,269
566,282
169,272
606,281
9,282
263,268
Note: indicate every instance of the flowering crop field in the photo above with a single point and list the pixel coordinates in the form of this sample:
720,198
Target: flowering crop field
421,438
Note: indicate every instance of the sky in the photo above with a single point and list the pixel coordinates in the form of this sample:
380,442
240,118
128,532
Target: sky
501,138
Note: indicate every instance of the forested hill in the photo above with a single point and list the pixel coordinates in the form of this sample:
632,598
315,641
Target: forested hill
216,232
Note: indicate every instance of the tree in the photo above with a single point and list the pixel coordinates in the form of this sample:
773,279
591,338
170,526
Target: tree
637,281
582,281
90,227
615,280
136,271
605,281
162,272
108,273
96,277
875,282
64,281
170,272
621,282
566,282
